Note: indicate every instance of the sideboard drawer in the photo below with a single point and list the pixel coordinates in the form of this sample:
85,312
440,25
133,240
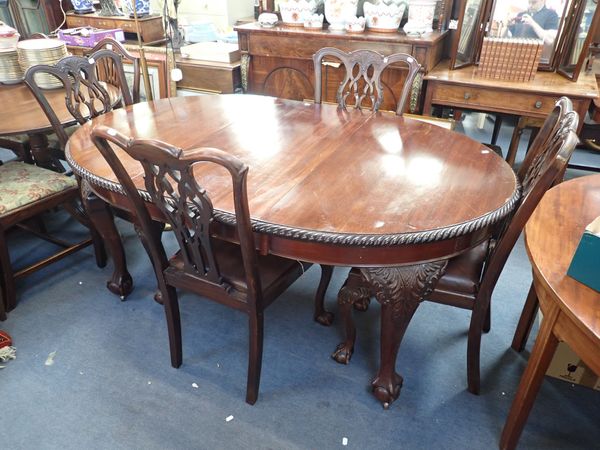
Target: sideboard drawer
497,100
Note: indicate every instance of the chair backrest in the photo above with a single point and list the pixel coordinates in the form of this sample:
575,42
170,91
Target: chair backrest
172,186
544,169
362,82
106,71
85,96
548,130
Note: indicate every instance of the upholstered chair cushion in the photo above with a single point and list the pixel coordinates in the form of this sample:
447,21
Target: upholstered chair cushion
21,184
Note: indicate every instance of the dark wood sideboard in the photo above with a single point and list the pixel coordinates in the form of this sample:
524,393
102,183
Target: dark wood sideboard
278,61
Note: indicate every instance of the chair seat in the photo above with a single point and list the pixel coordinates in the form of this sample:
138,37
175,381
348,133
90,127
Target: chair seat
463,272
22,184
272,270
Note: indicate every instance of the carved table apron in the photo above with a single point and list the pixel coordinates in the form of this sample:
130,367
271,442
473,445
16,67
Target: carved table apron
394,196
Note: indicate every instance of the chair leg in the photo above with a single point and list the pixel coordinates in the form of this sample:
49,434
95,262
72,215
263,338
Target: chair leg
526,320
487,324
478,318
8,280
171,305
254,356
321,315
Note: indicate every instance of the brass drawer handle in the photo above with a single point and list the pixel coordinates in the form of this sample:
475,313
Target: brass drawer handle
538,104
467,96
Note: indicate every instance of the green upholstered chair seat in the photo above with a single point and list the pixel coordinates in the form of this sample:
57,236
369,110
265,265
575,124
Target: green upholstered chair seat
22,184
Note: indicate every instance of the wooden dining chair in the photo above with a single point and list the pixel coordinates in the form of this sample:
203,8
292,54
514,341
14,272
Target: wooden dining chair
362,85
470,278
232,274
27,191
107,72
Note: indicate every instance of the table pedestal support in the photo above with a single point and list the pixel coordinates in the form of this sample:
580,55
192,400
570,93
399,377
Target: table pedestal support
400,290
101,215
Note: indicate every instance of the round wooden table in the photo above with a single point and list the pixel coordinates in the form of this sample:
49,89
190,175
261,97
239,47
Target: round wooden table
20,113
570,308
394,196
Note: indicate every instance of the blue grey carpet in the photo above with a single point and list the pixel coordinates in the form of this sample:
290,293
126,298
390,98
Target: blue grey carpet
111,385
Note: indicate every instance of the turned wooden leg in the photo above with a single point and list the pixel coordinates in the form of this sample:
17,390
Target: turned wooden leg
526,320
400,290
530,383
354,289
38,147
321,315
101,216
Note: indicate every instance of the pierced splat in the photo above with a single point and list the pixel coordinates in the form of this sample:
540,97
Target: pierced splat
362,85
188,210
85,96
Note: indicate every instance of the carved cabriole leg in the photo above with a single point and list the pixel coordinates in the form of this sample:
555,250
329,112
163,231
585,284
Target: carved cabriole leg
353,290
400,290
321,315
244,69
101,216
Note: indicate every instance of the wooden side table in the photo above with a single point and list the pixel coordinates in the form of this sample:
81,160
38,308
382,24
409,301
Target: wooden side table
570,308
529,100
151,27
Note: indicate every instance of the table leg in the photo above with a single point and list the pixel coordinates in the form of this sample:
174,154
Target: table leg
400,290
530,383
38,147
100,214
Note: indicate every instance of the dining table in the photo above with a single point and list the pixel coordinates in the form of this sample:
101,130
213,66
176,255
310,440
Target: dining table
571,310
21,114
391,195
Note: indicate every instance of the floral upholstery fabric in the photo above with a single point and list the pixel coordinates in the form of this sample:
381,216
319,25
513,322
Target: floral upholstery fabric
21,184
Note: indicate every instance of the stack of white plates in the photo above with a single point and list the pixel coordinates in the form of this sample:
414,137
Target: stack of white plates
42,51
10,70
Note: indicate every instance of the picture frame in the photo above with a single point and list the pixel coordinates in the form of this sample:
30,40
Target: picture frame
160,62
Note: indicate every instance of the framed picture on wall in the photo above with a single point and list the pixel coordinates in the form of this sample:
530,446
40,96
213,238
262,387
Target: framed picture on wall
161,61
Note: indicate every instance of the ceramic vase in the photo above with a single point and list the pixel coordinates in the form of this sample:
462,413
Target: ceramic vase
340,12
142,7
420,16
83,6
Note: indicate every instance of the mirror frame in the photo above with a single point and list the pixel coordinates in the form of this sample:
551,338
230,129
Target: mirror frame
574,19
461,6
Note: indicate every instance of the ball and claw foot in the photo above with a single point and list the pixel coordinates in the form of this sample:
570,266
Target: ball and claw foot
386,392
122,287
343,353
325,318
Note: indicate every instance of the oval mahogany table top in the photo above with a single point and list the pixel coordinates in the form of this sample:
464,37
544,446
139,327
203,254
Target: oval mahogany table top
323,175
552,235
20,112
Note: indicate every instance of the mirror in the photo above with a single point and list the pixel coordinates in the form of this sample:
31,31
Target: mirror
469,32
580,31
532,19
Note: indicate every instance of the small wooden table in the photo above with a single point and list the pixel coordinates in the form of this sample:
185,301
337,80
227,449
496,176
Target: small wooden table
347,188
20,113
534,99
570,308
